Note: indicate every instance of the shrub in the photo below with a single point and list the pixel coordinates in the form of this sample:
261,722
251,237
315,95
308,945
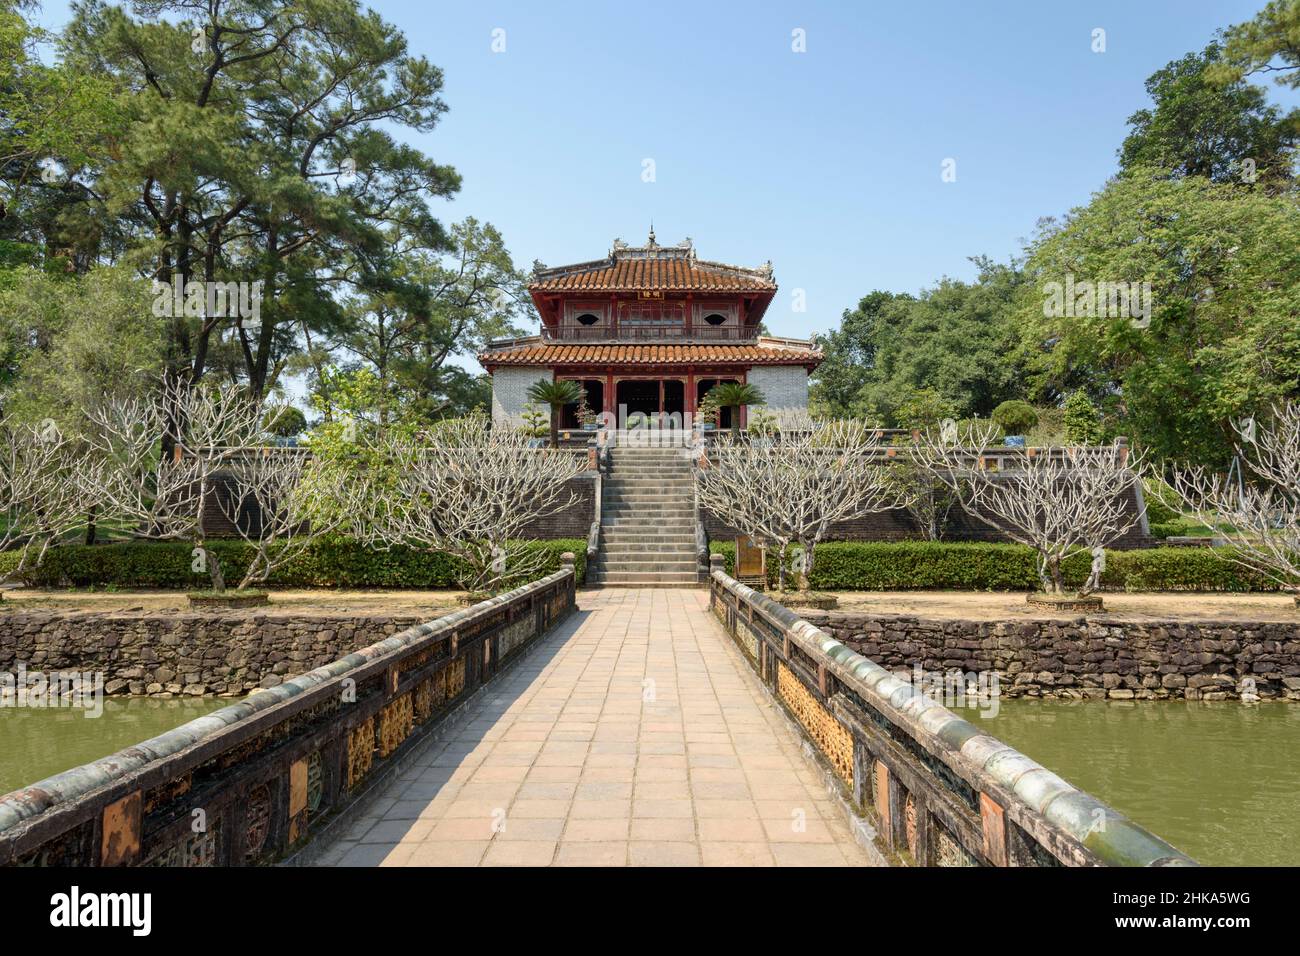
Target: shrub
1015,417
990,566
1082,420
337,563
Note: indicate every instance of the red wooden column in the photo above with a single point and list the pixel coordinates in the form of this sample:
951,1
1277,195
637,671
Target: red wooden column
611,396
689,404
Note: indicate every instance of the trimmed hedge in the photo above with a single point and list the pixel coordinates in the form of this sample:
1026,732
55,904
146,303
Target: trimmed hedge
985,566
331,564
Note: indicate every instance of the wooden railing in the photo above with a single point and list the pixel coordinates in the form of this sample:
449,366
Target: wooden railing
939,790
649,333
252,781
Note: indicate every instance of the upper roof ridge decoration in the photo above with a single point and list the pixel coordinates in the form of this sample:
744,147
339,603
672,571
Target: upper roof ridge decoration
631,268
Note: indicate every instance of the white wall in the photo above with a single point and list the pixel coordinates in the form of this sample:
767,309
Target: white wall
510,391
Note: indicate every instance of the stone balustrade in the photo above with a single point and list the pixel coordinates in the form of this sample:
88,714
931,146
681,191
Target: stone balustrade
254,780
940,791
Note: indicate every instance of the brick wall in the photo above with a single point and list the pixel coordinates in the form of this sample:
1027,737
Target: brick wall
574,520
510,391
782,386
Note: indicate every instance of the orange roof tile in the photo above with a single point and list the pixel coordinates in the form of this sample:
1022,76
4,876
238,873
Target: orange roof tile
539,353
652,266
677,274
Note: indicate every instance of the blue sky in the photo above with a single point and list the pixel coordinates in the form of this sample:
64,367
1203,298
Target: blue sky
827,162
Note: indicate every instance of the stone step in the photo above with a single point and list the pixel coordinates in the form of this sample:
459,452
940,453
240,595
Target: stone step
640,475
648,567
611,536
657,585
649,578
620,514
623,509
649,489
686,546
641,519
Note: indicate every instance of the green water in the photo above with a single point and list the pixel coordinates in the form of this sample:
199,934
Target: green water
1220,781
36,742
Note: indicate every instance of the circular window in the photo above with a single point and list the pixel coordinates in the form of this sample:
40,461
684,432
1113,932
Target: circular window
715,318
588,318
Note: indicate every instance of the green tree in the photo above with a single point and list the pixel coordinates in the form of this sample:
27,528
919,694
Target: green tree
850,356
556,394
441,306
74,341
1222,340
1082,420
1270,43
956,339
259,149
922,408
1197,127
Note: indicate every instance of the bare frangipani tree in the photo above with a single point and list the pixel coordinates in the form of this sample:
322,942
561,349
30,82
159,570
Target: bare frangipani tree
44,491
1057,501
282,502
469,489
166,495
1258,511
798,482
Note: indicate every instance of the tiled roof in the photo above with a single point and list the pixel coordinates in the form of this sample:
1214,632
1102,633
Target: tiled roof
541,353
685,275
652,266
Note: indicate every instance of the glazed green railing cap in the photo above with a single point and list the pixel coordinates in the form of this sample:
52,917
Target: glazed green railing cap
36,798
1113,838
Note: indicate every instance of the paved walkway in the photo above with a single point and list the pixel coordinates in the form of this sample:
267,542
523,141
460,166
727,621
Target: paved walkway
634,735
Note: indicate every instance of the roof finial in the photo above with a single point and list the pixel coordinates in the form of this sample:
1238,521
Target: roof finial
651,243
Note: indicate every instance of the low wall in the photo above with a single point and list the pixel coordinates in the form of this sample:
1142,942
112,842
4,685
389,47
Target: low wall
573,520
943,793
1086,658
897,524
166,655
250,782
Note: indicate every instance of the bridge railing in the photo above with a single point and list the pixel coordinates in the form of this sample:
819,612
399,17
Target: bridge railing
941,791
249,782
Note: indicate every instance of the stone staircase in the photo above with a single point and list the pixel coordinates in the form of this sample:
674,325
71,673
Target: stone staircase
647,521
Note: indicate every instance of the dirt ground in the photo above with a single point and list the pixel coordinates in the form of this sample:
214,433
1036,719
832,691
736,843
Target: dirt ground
984,606
967,605
283,603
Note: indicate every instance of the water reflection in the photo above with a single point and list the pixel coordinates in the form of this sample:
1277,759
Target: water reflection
36,742
1220,781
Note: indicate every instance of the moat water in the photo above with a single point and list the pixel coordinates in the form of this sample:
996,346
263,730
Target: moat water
1218,780
37,742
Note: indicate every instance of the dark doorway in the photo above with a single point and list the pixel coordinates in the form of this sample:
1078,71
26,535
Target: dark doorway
639,395
674,400
702,388
595,390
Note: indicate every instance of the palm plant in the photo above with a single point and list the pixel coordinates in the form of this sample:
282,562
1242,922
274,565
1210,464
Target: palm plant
733,395
556,394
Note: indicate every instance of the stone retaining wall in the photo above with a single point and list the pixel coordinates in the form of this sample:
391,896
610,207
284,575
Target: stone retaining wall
166,655
1086,658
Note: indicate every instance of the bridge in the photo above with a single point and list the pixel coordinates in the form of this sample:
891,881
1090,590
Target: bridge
625,726
633,735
